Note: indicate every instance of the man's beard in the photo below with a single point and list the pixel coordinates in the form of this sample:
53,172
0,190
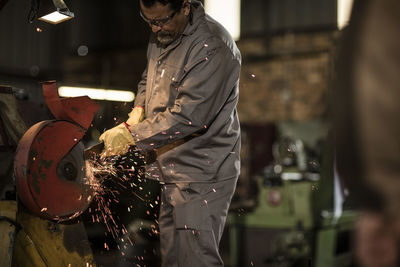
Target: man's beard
165,38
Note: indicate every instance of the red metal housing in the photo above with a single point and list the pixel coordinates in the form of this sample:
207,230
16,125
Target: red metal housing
48,166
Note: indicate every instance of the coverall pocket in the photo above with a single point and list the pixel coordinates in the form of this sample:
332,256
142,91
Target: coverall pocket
192,216
196,240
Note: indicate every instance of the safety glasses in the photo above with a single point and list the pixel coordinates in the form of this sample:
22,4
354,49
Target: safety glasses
159,22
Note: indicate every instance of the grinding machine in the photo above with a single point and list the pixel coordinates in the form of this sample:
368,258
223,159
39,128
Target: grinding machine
39,226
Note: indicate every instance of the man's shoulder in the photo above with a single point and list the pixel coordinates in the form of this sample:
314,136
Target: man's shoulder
212,30
212,35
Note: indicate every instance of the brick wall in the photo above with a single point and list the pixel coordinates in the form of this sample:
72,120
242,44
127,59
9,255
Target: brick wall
286,77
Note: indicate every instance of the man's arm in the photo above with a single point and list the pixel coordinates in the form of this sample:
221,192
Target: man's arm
204,88
141,92
140,99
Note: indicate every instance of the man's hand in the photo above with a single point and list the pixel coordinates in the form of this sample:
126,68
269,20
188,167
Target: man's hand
116,141
136,115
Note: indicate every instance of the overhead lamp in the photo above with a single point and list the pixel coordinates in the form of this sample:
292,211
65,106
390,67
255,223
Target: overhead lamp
56,13
97,93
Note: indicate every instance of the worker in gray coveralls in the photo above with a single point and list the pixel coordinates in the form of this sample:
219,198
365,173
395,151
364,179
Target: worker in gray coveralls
185,113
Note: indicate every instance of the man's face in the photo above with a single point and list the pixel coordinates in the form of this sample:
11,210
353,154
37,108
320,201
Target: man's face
167,24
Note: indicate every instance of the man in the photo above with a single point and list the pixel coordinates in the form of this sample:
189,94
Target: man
188,94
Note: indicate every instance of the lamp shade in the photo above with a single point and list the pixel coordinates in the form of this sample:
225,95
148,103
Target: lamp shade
54,11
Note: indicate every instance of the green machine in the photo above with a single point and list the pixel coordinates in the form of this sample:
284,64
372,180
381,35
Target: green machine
295,222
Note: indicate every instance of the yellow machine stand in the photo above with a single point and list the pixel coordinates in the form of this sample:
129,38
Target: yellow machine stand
8,211
27,240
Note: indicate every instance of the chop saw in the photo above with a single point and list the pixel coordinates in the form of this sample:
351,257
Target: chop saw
49,164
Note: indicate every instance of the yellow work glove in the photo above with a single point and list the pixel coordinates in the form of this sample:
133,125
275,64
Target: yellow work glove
136,115
116,141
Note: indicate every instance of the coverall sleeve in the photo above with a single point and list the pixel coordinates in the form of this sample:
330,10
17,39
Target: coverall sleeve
208,79
140,99
141,92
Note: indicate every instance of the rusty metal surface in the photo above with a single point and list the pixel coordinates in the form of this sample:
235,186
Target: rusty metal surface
41,186
79,110
49,166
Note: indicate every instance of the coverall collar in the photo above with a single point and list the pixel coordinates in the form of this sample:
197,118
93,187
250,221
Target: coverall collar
197,11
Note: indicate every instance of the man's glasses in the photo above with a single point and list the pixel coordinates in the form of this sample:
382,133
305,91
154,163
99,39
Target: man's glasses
159,22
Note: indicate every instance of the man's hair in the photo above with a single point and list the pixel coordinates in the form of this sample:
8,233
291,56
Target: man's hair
174,4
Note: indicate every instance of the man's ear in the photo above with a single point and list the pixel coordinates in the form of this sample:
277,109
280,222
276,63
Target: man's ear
186,8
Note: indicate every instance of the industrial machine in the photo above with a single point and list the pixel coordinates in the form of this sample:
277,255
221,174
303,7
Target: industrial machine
51,183
72,208
49,166
295,218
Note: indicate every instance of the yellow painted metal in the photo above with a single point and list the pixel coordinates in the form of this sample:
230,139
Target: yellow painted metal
26,253
8,209
46,243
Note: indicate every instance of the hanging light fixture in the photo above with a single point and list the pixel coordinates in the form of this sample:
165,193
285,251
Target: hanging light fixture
54,11
58,13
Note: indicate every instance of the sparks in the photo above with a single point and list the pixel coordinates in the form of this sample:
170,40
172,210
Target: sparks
107,177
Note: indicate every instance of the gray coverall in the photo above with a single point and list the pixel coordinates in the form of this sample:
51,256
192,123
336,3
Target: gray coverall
189,91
